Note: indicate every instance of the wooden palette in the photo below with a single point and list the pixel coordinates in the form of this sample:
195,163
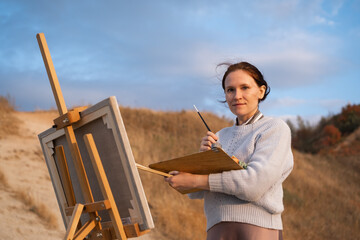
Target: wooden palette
212,161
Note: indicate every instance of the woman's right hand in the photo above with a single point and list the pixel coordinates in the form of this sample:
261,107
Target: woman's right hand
207,141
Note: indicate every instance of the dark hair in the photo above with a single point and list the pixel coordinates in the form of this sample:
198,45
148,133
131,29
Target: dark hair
251,70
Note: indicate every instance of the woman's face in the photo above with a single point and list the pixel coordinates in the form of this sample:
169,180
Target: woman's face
242,94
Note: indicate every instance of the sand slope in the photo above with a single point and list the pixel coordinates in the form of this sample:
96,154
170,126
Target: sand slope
28,206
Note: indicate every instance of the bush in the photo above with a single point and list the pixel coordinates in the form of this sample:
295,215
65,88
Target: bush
303,138
349,119
330,136
327,132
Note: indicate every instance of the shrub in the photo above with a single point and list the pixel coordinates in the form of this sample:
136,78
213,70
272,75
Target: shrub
327,132
349,119
330,136
303,138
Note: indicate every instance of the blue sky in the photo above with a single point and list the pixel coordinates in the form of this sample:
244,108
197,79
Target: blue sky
163,54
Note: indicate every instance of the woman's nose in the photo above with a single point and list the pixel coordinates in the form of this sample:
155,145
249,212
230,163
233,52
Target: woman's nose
238,94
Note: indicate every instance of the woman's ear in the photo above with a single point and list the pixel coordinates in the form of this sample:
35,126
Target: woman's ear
262,92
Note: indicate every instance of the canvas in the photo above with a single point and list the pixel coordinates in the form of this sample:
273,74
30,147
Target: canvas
104,122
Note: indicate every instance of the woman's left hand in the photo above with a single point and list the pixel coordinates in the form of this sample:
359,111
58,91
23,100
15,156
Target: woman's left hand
182,181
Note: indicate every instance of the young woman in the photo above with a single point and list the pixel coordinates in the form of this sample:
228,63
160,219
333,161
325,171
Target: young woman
244,204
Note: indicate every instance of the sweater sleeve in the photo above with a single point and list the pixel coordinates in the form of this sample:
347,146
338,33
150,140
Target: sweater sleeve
196,195
265,168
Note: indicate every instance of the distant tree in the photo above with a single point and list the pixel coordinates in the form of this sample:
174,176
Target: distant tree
291,126
330,136
327,132
324,121
349,119
304,137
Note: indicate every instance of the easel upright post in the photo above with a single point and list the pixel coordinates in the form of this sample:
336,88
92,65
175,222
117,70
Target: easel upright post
69,131
55,86
94,228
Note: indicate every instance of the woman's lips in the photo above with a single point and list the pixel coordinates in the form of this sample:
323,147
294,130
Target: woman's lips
238,104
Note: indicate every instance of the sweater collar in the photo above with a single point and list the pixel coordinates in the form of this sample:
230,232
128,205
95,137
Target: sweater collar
254,118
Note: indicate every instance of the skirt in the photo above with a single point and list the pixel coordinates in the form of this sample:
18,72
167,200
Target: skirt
242,231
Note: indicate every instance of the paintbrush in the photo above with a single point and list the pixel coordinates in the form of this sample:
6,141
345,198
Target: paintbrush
202,118
139,166
215,145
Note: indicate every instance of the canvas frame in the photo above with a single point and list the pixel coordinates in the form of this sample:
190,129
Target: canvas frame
105,123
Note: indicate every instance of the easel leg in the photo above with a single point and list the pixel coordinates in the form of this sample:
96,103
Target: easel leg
64,173
104,186
85,230
75,218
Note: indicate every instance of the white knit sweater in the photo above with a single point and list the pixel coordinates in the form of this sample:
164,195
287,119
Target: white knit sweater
254,195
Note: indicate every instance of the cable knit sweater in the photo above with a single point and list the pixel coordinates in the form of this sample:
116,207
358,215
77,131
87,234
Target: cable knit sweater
253,195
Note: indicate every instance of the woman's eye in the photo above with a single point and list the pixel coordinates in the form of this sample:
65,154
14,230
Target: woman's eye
245,88
229,90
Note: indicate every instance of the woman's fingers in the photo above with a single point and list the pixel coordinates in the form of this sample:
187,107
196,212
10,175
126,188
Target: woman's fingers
174,173
205,147
181,181
207,141
212,135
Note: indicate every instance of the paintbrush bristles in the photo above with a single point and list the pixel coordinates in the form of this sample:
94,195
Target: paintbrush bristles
196,108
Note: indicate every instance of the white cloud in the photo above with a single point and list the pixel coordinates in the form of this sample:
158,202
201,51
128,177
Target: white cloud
283,105
288,102
293,67
291,58
322,20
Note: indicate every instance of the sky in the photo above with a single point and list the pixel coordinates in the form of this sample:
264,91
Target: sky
163,55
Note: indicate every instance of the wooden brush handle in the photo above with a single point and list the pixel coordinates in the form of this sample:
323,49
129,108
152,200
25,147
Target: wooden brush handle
139,166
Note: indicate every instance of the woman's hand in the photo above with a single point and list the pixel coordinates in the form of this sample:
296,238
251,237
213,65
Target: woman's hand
206,141
182,181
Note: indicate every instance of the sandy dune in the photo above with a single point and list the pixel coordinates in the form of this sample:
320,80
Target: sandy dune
28,206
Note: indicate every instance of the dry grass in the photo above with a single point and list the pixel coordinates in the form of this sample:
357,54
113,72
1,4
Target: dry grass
3,180
322,198
9,125
40,209
6,104
322,195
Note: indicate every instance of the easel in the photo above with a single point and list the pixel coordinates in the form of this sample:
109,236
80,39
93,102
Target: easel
93,228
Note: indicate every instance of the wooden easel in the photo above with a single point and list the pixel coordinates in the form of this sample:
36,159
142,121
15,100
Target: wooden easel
93,228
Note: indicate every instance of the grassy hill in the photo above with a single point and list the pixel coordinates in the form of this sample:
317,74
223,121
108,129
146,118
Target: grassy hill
322,194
